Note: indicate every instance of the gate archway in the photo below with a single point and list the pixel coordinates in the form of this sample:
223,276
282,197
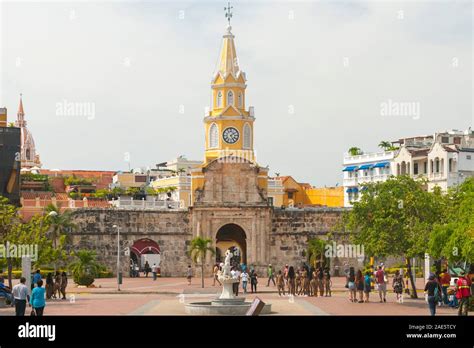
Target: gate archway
233,237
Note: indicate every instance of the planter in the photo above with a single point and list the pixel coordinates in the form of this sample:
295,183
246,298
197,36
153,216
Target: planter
84,279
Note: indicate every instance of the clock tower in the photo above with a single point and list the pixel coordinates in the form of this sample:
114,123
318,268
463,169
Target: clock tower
228,122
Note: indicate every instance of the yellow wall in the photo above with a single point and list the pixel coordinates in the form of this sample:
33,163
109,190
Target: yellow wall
325,196
3,118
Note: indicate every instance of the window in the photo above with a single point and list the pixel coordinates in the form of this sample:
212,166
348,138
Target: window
450,164
247,136
437,165
468,157
425,167
213,136
445,140
219,99
240,101
457,140
270,201
290,195
415,168
230,98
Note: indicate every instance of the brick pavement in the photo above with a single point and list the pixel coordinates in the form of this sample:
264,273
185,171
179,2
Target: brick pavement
166,296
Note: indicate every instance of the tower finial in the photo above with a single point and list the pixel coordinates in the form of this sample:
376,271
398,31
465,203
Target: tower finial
228,13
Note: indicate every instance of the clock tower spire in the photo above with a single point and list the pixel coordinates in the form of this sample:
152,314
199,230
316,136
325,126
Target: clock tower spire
228,123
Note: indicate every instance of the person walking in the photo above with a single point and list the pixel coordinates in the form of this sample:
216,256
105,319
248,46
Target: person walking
351,285
327,282
463,293
49,286
6,292
359,281
57,285
291,281
245,277
280,282
189,274
215,272
20,294
63,285
445,280
147,269
433,292
37,300
321,281
236,285
367,286
37,276
397,285
285,276
381,282
271,275
253,281
154,271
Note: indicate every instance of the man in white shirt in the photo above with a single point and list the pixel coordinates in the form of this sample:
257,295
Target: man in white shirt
154,270
20,294
236,284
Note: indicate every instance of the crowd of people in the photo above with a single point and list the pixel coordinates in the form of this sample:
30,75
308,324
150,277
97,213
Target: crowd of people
304,281
19,296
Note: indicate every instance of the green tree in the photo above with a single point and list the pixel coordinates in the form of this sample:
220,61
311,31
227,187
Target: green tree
315,251
453,237
85,267
198,251
9,220
354,151
395,218
60,225
385,145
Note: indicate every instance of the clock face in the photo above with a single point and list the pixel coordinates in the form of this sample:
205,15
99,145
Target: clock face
230,135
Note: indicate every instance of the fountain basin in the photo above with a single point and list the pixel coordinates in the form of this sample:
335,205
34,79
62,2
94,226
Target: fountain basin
230,307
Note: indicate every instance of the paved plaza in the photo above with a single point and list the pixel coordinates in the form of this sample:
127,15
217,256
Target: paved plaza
167,296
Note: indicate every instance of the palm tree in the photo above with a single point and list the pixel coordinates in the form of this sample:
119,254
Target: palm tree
354,151
315,251
84,266
385,145
60,224
198,251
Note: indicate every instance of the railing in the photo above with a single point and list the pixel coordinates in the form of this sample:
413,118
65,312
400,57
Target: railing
147,204
373,156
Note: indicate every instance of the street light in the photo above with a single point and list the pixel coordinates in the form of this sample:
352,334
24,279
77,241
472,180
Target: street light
118,257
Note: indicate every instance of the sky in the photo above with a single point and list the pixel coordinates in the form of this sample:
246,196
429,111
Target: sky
318,75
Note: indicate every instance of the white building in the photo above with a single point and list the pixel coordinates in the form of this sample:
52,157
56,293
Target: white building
359,169
445,159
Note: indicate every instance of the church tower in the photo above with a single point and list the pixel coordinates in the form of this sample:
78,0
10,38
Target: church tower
228,123
29,157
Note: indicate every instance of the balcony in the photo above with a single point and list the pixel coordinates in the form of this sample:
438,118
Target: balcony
368,157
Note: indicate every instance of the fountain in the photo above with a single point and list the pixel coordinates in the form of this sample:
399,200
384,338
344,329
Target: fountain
227,303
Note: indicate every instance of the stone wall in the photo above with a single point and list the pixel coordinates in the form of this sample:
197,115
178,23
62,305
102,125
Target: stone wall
292,228
273,235
170,229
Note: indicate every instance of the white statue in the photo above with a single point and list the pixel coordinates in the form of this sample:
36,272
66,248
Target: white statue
226,267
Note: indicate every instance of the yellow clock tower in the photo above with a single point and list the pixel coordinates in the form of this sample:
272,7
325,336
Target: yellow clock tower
228,123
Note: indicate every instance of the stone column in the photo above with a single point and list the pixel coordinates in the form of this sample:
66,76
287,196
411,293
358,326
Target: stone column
253,243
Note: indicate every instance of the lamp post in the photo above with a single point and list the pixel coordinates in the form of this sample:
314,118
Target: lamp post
119,280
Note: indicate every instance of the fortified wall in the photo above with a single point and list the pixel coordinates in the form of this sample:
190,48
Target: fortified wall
172,230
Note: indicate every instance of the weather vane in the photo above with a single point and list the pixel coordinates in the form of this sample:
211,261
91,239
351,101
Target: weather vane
228,13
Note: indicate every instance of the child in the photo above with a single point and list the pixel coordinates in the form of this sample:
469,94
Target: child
453,301
280,283
189,274
367,286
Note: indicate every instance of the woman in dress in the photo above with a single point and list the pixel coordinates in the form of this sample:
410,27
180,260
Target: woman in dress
367,286
49,286
291,280
360,286
397,286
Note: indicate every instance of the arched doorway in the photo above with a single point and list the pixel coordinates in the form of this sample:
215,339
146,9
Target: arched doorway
144,250
233,237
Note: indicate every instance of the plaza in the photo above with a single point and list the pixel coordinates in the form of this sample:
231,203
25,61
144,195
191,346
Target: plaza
167,296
